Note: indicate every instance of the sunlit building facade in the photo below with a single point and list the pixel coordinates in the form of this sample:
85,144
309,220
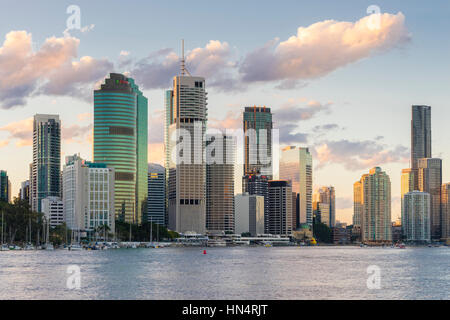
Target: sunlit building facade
445,211
156,200
375,206
296,167
416,216
120,141
430,181
325,205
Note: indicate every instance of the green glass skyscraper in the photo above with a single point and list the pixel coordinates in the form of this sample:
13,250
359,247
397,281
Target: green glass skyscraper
120,141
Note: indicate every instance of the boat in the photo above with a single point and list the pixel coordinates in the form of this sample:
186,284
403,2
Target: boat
15,247
49,246
402,246
4,247
29,247
75,247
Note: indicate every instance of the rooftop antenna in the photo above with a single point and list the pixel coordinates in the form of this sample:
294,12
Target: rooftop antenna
183,61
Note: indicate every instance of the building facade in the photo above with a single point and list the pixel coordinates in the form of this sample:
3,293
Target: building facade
420,134
5,187
296,167
186,149
257,184
24,193
325,203
120,142
280,207
46,166
375,202
445,212
416,216
156,203
53,210
88,195
258,141
220,155
430,181
249,214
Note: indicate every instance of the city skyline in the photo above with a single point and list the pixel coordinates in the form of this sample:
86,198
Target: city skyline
354,146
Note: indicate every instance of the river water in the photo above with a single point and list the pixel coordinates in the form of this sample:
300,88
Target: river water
228,273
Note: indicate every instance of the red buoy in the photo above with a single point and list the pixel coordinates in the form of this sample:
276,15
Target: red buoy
204,251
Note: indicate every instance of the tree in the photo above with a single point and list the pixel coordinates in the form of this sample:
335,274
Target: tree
322,233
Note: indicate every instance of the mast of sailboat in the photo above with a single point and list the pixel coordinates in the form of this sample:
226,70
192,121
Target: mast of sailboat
151,229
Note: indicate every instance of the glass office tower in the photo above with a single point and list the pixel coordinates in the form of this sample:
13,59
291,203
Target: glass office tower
120,141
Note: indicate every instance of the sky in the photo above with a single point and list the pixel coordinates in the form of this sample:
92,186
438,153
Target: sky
338,78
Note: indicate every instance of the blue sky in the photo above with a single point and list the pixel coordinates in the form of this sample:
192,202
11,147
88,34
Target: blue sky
367,99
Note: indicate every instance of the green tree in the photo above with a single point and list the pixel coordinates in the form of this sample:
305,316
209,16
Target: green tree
322,233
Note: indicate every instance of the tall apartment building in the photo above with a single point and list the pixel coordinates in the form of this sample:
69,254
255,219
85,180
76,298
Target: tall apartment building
280,207
5,187
185,129
296,167
430,181
120,142
156,205
53,210
220,155
420,134
416,216
249,214
258,141
88,194
375,206
445,212
46,166
357,203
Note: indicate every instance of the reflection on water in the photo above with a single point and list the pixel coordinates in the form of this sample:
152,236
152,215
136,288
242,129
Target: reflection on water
228,273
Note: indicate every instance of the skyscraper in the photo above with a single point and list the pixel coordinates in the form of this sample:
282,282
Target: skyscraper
256,184
120,141
53,210
185,148
46,167
88,194
156,203
220,154
430,181
325,199
249,214
296,166
409,182
375,189
445,211
357,203
280,207
5,187
420,134
24,193
258,141
416,216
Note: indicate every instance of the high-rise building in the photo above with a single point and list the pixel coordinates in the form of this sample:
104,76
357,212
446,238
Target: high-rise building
357,204
46,167
375,214
296,166
5,187
53,210
220,155
325,200
295,210
258,141
120,142
416,216
24,193
156,205
256,184
430,181
445,211
420,134
409,181
280,207
249,214
88,194
186,148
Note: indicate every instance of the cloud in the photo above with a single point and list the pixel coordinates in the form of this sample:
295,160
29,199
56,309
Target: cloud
3,143
212,62
156,153
49,70
232,120
156,126
323,47
76,133
22,131
355,155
